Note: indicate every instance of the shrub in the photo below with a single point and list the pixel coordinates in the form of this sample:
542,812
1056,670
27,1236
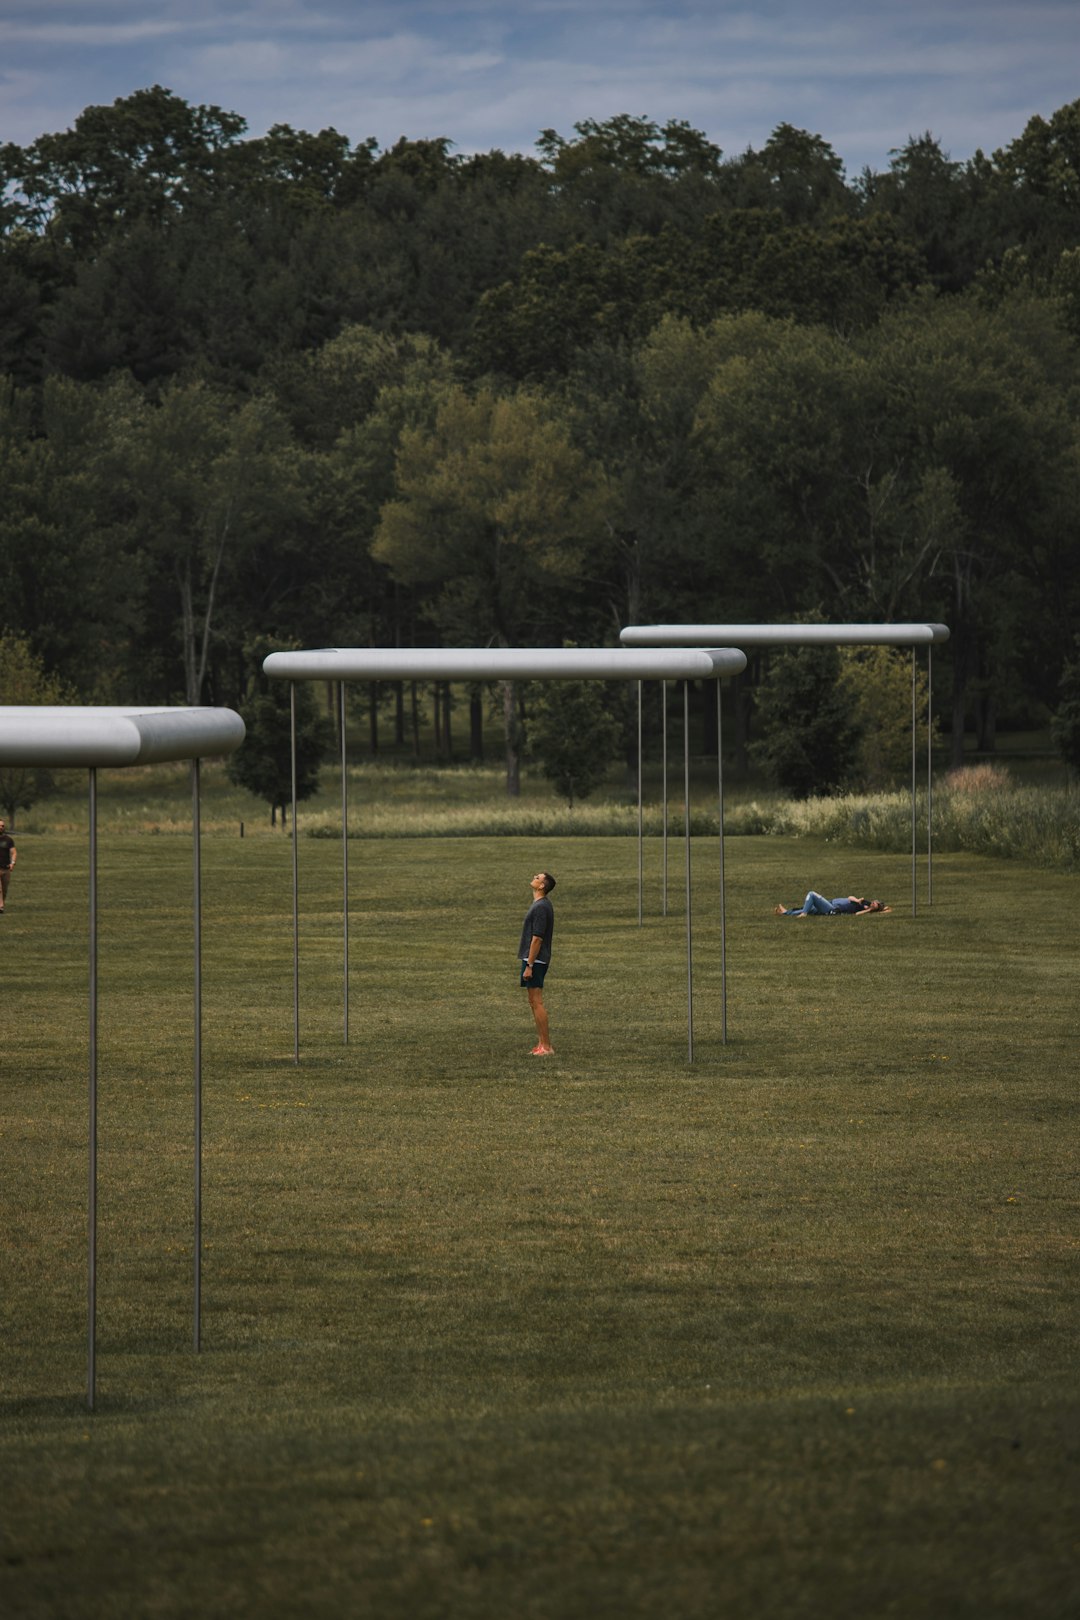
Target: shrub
809,732
263,762
1065,723
877,683
574,737
973,779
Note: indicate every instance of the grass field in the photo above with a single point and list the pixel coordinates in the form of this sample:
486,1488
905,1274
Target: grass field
790,1332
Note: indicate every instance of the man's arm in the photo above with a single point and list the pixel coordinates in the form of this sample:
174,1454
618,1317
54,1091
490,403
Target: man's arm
534,951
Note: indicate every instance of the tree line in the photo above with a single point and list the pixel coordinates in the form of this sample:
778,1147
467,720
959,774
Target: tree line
293,388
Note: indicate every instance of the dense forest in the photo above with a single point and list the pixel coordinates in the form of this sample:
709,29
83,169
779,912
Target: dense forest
287,387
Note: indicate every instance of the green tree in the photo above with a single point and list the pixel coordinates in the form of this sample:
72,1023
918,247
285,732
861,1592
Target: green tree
206,481
801,174
143,157
492,509
923,470
72,584
574,736
1065,721
263,762
779,442
1037,185
935,203
809,734
877,683
976,415
627,176
23,679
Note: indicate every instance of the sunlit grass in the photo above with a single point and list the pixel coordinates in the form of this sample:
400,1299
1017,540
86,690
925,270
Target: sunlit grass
789,1331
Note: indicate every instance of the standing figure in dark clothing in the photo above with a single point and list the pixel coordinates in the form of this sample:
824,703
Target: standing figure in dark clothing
7,863
535,954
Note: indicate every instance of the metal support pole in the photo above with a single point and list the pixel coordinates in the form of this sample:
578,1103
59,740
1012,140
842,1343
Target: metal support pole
914,894
723,897
295,880
663,732
344,866
196,838
91,1224
930,775
640,818
689,924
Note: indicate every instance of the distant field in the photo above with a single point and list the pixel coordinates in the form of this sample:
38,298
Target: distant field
1020,807
789,1332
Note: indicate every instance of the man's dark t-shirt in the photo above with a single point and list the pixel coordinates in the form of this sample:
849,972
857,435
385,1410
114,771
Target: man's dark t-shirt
7,844
539,919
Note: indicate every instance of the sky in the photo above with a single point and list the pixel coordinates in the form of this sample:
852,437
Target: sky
864,74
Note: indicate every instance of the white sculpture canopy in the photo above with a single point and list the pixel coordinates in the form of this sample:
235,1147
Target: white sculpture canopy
820,635
783,635
64,737
503,664
484,664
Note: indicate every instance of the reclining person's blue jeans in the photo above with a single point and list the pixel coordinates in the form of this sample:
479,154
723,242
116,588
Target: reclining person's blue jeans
815,905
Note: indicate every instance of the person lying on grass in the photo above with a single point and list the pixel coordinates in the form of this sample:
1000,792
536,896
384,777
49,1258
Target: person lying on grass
816,905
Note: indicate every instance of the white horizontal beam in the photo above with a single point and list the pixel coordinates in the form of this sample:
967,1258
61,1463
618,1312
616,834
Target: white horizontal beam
68,735
783,635
502,664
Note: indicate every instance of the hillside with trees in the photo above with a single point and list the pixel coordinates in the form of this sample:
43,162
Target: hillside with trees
290,387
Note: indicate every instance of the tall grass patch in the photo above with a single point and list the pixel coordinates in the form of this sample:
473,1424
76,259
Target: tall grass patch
1036,824
982,811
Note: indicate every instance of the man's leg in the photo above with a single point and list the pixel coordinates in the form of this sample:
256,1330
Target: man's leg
5,879
539,1012
816,905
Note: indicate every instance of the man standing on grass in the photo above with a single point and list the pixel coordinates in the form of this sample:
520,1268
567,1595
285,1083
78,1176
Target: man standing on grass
535,953
7,863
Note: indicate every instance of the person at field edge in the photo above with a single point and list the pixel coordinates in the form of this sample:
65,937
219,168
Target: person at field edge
816,905
8,856
535,954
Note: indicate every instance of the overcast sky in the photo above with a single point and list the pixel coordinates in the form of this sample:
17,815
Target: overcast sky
494,73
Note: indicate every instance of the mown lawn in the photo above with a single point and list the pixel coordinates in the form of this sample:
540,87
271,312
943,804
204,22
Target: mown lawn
792,1331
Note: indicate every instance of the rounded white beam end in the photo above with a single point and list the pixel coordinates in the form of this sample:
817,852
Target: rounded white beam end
67,735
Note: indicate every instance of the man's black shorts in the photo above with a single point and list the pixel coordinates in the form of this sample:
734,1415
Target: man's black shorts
535,981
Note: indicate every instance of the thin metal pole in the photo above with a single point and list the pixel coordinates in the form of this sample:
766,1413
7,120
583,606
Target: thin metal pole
295,880
663,729
689,924
196,838
91,1268
723,897
930,775
640,819
914,894
344,865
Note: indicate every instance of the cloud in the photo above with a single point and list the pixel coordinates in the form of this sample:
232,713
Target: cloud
489,73
248,62
401,56
95,35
